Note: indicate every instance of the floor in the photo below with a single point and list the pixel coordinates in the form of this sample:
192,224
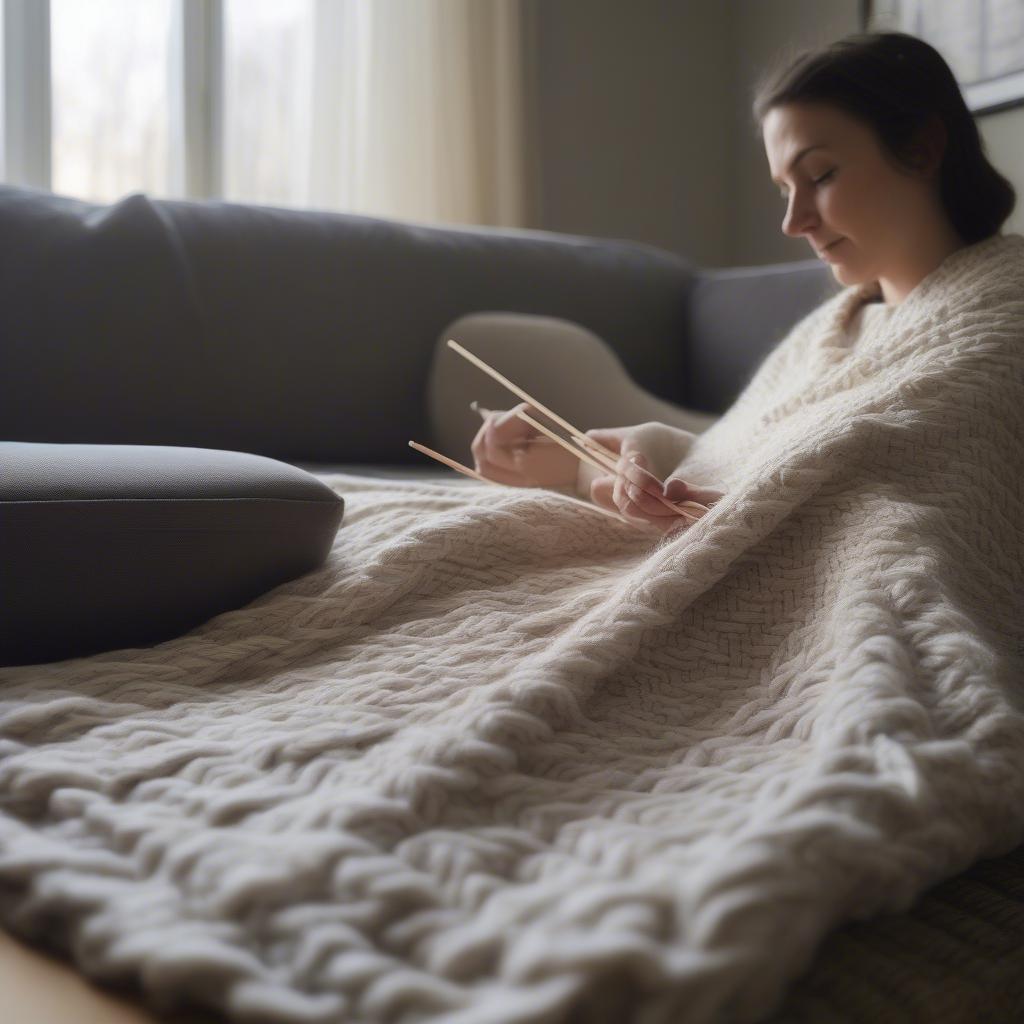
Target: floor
36,988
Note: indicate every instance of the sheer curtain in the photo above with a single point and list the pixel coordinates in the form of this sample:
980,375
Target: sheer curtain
411,109
416,110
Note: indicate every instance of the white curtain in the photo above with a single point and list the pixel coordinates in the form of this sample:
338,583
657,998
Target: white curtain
416,111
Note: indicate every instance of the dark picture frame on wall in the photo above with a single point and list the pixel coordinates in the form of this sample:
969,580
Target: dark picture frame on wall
981,40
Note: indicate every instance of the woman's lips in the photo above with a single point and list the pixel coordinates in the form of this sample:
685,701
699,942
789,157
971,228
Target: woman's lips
825,253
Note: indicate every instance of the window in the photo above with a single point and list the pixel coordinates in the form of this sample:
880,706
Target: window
110,81
3,165
198,98
265,97
405,109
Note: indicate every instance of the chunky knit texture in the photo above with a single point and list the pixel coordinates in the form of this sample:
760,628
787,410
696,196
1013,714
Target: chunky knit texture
504,759
665,445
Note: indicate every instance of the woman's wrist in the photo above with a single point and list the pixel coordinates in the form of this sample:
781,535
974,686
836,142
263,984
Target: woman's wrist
585,476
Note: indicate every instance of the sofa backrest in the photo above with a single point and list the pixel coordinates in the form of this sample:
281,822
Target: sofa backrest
308,335
736,316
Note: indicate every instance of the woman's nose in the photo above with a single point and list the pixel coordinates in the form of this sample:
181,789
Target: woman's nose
801,216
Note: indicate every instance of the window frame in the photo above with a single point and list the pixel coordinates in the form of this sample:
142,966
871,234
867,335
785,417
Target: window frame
27,121
196,100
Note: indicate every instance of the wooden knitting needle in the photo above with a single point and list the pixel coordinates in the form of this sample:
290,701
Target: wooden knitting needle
583,457
612,465
452,464
520,392
592,453
574,431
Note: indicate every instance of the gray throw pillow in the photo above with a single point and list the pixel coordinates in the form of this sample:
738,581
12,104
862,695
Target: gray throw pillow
110,546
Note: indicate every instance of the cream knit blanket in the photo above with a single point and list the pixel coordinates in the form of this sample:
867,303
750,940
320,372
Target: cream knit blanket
503,759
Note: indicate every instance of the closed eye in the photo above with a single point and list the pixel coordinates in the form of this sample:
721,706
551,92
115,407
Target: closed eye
816,181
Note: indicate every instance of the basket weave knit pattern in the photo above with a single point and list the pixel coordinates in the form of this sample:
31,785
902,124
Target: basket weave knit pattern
503,759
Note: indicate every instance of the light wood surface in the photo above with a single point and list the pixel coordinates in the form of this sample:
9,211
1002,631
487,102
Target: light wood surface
36,988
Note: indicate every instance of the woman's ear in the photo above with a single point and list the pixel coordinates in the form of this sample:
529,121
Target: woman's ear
929,148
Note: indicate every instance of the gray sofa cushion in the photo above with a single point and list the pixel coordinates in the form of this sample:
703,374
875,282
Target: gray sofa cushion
736,317
108,546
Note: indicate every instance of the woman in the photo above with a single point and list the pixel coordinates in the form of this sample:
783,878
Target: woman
882,171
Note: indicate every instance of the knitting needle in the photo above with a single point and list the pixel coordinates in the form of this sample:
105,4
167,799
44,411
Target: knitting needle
452,464
591,460
612,465
584,457
574,431
518,391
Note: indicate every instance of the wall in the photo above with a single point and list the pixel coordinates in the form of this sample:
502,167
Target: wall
1003,135
633,118
763,31
641,117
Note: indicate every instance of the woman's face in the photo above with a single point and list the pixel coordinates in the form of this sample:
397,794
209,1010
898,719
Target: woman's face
864,216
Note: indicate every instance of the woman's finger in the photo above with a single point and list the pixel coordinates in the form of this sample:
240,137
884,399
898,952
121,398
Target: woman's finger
498,449
508,428
500,475
677,490
624,503
618,494
601,493
647,503
638,472
631,488
493,461
608,437
644,487
607,492
504,435
478,446
641,500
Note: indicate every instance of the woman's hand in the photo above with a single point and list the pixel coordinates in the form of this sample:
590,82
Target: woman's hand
634,492
508,450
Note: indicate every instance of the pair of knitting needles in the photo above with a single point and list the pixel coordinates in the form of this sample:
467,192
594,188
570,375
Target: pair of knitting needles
588,450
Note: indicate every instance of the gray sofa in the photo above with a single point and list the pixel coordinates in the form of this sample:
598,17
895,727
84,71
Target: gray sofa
169,370
308,336
241,353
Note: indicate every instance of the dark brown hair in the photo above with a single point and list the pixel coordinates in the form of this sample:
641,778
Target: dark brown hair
898,85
